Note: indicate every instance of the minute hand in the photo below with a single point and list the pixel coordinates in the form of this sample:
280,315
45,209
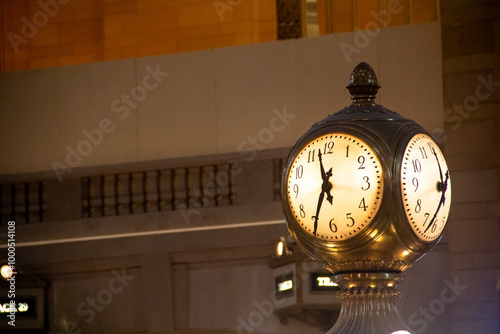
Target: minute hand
441,186
441,201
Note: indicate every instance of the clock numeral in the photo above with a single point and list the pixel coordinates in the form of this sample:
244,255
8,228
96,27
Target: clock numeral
418,207
299,172
417,167
302,212
362,204
352,219
329,147
333,227
426,217
434,226
296,190
347,152
423,152
310,155
361,161
367,185
414,181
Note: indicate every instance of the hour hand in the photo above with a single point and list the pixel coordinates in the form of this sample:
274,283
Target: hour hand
329,196
444,186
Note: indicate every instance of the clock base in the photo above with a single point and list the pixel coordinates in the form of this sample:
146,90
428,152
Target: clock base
394,266
368,304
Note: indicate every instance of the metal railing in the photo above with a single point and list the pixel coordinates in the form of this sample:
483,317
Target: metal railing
22,202
158,190
118,190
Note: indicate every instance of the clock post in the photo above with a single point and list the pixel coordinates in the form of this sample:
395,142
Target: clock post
367,192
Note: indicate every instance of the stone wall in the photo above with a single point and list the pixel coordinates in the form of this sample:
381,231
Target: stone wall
471,84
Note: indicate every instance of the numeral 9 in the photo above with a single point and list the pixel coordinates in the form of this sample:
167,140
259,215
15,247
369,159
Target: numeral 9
414,181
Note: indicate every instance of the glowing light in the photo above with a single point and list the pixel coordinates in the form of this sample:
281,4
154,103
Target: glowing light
405,253
6,271
279,248
401,332
286,285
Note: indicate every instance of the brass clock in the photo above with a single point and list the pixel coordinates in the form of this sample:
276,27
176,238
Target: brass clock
366,188
334,186
367,192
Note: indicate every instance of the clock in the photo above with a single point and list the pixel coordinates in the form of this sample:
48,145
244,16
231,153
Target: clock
334,186
425,187
367,192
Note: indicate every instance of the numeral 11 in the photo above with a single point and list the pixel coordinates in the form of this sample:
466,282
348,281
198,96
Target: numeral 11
310,157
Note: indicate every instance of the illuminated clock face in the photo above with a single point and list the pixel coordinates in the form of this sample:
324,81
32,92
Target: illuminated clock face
425,187
334,186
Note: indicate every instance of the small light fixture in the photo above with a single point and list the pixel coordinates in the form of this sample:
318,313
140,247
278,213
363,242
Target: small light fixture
284,246
280,248
6,271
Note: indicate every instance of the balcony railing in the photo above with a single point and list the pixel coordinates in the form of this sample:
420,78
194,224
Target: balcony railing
22,202
158,190
169,185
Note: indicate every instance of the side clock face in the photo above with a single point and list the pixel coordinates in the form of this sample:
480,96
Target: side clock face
334,186
425,187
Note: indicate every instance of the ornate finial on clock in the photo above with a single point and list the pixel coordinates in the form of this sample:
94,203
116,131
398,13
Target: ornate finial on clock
363,84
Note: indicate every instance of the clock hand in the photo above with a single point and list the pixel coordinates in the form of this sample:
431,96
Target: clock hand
439,166
444,185
441,188
327,185
323,174
320,201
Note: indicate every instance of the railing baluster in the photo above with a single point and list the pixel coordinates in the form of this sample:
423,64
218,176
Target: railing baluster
158,189
144,192
130,195
101,194
116,190
40,201
200,184
172,187
186,187
89,194
230,183
216,186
